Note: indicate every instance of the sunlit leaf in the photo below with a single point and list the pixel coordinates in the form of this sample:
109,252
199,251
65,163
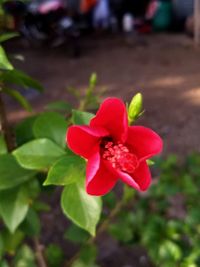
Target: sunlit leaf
84,210
66,170
4,62
11,173
38,154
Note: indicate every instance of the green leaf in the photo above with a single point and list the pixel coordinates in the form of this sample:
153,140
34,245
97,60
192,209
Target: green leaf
3,264
24,130
66,170
12,241
41,206
18,77
170,251
38,154
31,225
6,36
129,193
1,247
14,205
4,62
25,257
54,255
84,210
60,106
81,117
3,147
88,254
76,234
11,173
51,125
19,97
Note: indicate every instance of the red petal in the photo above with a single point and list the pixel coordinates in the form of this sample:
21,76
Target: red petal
82,140
140,179
112,116
144,142
99,180
142,176
126,178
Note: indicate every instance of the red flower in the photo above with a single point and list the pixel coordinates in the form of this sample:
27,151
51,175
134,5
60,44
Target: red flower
113,149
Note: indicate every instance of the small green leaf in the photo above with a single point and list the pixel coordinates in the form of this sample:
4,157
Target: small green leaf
12,241
14,205
88,255
4,62
60,106
84,210
18,77
19,97
51,125
3,147
170,251
9,35
81,117
1,248
3,264
24,130
76,234
25,257
129,193
31,225
66,170
11,173
38,154
54,255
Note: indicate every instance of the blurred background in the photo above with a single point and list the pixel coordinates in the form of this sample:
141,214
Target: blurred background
147,46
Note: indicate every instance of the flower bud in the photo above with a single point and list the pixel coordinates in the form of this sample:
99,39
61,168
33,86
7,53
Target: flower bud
135,108
93,80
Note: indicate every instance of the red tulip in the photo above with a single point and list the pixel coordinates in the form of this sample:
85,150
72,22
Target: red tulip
113,149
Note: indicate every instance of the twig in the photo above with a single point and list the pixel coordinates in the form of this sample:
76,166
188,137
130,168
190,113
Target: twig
103,227
4,126
39,253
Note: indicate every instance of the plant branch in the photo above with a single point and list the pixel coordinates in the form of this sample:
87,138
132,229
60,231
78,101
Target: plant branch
102,228
39,253
4,126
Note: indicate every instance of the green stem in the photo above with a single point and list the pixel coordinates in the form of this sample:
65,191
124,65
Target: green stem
4,126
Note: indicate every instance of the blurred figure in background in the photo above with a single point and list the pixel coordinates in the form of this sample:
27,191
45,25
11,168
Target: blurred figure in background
182,14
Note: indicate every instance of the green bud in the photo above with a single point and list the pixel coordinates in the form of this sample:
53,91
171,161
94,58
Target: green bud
150,162
93,80
135,108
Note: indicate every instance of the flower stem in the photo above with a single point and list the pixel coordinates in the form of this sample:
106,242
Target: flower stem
4,126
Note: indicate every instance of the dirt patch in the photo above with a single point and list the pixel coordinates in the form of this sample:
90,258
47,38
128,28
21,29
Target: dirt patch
165,68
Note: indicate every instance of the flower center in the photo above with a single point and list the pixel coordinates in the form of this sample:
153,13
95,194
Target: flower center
119,156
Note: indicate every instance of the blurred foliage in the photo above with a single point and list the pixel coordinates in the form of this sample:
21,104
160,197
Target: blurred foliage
166,219
54,255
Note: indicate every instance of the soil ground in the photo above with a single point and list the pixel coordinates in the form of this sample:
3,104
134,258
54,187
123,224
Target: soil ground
164,68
